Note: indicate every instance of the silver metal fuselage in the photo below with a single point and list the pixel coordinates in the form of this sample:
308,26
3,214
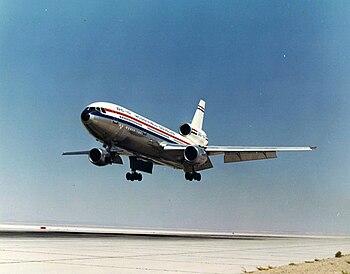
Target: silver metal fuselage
136,135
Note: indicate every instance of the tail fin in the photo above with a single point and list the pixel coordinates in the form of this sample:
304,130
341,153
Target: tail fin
197,121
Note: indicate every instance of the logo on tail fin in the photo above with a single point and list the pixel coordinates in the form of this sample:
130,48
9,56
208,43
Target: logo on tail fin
197,121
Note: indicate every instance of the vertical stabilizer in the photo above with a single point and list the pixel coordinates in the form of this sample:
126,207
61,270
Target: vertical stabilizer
197,121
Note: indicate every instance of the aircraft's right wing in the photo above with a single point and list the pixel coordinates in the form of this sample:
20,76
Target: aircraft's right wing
84,152
245,153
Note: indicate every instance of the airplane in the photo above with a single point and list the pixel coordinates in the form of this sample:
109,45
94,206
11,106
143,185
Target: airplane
123,132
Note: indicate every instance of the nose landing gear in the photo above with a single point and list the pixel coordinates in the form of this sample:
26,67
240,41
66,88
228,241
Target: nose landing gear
190,176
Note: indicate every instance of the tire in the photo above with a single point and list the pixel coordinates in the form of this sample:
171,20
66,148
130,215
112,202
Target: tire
197,176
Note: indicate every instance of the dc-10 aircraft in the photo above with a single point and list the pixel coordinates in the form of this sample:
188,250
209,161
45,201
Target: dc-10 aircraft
126,133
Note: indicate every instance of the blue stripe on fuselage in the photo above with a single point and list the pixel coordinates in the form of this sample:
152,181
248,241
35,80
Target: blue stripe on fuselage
131,124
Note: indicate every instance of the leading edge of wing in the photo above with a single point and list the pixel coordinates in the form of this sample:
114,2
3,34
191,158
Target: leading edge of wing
223,149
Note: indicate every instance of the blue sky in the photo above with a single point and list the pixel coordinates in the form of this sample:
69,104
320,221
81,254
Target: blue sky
272,73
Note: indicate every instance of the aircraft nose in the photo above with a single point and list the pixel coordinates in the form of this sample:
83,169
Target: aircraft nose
85,115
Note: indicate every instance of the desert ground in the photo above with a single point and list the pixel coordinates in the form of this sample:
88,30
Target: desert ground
320,266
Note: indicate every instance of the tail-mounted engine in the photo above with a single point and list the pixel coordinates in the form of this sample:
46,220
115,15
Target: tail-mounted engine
185,129
197,136
195,155
100,157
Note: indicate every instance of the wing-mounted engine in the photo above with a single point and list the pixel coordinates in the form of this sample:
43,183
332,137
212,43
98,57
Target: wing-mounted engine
195,155
196,136
101,157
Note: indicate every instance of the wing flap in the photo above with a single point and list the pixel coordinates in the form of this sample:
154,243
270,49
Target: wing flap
230,157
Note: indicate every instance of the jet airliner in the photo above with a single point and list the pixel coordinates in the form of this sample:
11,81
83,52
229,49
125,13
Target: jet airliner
146,143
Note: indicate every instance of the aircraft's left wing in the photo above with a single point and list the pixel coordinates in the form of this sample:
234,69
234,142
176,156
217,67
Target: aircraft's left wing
245,153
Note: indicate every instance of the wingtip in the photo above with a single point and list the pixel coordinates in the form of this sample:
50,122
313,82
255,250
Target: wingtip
313,147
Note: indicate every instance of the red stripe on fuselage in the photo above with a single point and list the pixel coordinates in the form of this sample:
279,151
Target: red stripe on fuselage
150,126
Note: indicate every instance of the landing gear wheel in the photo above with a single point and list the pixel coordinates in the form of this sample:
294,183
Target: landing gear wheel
197,176
133,176
190,176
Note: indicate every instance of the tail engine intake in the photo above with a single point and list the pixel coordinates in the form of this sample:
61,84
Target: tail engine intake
185,129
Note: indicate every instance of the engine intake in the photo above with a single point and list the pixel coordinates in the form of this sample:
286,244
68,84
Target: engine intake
99,157
185,129
195,155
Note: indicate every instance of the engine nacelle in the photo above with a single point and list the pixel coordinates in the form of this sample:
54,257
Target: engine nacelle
99,157
195,155
185,129
193,135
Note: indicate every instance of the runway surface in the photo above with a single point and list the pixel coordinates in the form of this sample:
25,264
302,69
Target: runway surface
58,252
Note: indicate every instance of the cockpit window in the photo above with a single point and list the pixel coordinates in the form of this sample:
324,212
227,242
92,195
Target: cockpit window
91,108
98,109
103,110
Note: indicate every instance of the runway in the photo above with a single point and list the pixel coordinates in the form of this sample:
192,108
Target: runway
33,252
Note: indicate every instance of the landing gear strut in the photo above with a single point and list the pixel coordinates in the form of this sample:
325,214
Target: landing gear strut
193,176
138,164
133,176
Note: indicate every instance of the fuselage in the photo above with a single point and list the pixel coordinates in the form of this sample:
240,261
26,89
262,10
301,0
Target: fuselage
116,126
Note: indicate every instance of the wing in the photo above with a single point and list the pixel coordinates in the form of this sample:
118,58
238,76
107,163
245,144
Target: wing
116,150
245,153
114,154
242,153
85,152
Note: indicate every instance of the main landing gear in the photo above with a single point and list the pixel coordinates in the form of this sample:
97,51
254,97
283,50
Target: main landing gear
133,176
138,164
193,176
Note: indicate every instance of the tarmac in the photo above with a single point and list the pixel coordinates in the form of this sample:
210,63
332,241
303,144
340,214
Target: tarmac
45,250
